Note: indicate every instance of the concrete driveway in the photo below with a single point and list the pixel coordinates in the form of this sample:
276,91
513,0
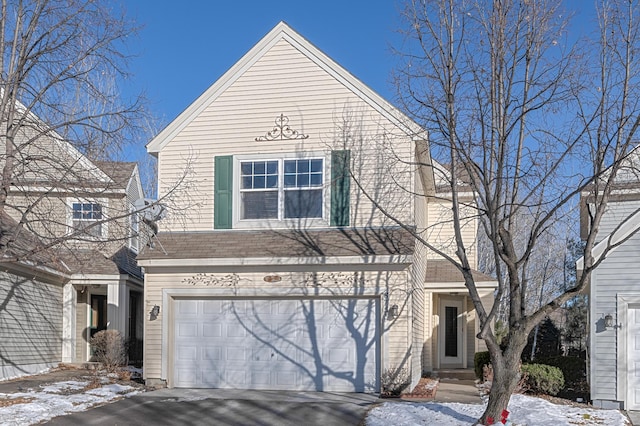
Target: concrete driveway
227,407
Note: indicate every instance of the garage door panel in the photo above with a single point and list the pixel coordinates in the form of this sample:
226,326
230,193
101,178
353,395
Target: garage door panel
235,330
188,309
212,329
187,353
276,344
211,353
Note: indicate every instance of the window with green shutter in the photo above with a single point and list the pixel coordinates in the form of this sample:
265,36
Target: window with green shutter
223,192
340,187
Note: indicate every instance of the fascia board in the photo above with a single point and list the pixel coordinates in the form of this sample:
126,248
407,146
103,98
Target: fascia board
282,31
459,286
631,225
396,260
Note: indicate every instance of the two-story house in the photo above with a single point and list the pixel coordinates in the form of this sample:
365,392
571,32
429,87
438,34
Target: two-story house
614,294
69,246
288,260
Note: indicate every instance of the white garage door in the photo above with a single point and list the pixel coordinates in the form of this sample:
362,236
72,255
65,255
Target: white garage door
288,344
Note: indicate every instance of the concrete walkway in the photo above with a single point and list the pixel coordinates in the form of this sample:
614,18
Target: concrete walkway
635,417
451,390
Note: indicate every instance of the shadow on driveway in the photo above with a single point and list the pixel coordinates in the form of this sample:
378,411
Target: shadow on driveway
227,407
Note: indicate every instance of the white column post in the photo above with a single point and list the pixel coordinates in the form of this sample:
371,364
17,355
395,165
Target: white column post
69,306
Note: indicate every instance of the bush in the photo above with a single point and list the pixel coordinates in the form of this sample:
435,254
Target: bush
109,349
394,381
480,359
574,369
542,379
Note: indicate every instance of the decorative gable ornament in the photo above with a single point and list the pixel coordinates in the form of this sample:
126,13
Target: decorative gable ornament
281,131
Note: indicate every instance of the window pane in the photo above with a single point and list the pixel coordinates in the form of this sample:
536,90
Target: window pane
246,182
316,166
260,205
304,203
272,167
272,181
289,181
290,166
259,182
316,179
246,168
259,168
303,181
303,166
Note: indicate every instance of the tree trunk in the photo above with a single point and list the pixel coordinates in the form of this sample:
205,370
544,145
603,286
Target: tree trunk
506,375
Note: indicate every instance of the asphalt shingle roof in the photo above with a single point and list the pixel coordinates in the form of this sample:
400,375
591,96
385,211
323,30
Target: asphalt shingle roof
282,243
442,271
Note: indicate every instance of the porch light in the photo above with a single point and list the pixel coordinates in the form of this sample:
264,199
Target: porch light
608,322
393,312
155,311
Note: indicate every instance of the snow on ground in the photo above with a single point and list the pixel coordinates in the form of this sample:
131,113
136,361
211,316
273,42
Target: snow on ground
35,406
525,411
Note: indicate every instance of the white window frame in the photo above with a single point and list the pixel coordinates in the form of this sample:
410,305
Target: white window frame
134,229
104,204
281,221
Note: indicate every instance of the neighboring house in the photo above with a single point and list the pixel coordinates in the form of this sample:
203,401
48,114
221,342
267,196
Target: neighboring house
614,297
275,268
78,273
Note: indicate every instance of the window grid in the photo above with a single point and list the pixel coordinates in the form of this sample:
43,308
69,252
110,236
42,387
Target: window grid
87,211
303,176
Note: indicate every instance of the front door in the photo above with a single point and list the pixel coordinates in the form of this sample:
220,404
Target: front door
633,360
98,320
450,332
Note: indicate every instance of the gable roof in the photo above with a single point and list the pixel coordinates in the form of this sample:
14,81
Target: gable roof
283,32
119,171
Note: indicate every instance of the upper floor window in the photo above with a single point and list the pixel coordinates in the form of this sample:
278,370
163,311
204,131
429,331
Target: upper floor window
84,215
310,189
281,189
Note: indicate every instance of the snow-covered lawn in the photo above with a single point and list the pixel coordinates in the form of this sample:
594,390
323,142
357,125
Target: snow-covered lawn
524,410
37,405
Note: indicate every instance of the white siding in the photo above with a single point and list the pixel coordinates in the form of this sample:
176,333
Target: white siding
30,325
284,81
619,273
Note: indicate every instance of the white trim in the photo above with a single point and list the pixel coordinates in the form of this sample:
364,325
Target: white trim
457,302
104,208
630,225
69,322
402,260
66,190
445,287
282,32
623,300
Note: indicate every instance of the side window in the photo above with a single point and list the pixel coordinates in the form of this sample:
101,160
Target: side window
134,222
86,217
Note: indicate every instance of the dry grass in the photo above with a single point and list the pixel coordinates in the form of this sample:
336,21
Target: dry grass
6,402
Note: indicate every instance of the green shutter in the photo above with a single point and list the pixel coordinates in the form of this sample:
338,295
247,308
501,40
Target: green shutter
223,192
340,187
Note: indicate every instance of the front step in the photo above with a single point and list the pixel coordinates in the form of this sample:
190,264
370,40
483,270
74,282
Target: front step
455,374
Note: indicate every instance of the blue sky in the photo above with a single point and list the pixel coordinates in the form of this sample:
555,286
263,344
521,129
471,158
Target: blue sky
185,46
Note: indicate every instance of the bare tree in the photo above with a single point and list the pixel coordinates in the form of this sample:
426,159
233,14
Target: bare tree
530,119
63,66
